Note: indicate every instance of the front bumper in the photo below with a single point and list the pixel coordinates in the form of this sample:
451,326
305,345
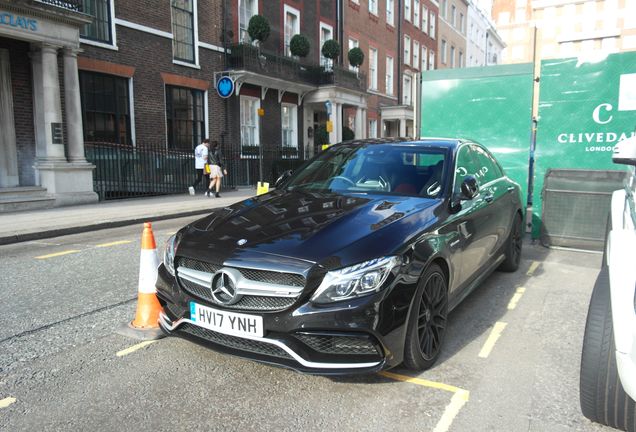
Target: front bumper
361,336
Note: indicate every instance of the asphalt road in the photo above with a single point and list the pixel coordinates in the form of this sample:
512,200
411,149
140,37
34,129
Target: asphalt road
62,300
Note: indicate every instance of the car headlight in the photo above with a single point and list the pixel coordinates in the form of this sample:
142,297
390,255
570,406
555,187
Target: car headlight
355,281
169,252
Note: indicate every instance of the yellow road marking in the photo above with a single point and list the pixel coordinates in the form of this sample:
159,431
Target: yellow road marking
458,400
516,297
115,243
6,402
422,382
134,348
490,342
57,254
533,268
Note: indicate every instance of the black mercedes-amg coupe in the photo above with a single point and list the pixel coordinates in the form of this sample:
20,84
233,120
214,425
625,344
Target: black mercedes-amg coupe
352,263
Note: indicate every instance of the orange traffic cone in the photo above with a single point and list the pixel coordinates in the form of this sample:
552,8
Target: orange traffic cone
146,323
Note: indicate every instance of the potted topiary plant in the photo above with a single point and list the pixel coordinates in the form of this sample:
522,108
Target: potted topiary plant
356,57
299,45
331,49
258,28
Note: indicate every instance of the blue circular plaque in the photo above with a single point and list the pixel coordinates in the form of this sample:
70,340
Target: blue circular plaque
225,86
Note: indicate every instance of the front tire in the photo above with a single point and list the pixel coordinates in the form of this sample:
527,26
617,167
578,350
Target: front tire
512,253
427,321
603,399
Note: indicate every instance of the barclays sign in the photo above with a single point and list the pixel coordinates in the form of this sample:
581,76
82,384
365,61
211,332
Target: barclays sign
17,21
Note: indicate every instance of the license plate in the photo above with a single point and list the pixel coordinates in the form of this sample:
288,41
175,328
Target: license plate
230,323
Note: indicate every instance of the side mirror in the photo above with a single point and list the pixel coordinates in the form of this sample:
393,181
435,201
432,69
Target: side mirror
283,177
469,188
625,152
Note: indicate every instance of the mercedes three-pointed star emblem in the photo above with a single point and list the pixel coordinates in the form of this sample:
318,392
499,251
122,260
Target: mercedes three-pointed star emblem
224,288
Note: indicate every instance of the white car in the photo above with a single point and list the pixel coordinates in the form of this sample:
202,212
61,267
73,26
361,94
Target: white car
608,360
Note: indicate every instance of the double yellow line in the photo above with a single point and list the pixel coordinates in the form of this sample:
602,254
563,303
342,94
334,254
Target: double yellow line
72,251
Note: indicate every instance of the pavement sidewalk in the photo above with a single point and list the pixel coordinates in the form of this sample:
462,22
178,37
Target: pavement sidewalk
38,224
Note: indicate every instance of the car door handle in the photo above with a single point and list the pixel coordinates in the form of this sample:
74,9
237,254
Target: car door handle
489,198
511,189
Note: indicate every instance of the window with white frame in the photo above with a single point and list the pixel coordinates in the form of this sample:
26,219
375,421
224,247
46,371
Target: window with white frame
452,56
292,26
424,58
407,10
454,16
443,48
373,128
416,54
250,136
289,125
390,7
460,63
101,28
326,33
389,75
462,23
247,9
443,8
353,44
425,19
373,68
407,90
407,50
431,60
373,6
183,30
432,26
416,13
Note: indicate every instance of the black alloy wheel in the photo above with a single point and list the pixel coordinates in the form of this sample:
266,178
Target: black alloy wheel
512,250
428,321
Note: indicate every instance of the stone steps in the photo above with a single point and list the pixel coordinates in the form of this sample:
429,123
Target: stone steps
24,198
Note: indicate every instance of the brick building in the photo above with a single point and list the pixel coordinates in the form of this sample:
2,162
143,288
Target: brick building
297,95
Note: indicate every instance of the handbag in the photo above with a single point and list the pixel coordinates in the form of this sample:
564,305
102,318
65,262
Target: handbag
206,168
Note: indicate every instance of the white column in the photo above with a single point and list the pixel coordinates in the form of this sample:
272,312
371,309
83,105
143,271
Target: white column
73,105
338,108
333,135
358,123
364,123
47,91
402,127
8,152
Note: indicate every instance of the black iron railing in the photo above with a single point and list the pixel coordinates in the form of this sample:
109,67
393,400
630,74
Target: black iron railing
251,58
74,5
346,78
123,171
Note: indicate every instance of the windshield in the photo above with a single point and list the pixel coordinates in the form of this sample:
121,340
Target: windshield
380,168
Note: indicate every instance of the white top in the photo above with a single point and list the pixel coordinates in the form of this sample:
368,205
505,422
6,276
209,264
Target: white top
200,156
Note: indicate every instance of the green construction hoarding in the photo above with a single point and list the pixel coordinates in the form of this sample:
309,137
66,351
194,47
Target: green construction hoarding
492,106
585,108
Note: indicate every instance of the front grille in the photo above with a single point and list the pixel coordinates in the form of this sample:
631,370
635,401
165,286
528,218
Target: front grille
246,303
234,342
286,279
338,344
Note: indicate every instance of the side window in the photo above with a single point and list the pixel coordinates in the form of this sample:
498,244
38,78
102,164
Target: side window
465,165
487,168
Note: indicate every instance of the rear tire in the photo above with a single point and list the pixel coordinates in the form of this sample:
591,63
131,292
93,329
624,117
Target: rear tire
427,321
512,252
603,399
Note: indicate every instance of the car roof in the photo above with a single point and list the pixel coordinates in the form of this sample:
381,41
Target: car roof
449,143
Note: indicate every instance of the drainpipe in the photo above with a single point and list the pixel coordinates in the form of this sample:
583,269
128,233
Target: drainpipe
340,29
400,49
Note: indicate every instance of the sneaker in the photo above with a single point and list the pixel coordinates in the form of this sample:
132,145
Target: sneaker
191,190
209,194
218,195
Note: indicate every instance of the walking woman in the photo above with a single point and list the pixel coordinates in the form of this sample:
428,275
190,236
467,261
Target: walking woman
217,169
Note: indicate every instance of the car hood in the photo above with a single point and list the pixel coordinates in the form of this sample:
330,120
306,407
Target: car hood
299,229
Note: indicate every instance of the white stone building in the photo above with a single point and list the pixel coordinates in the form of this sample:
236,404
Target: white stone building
483,45
42,160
